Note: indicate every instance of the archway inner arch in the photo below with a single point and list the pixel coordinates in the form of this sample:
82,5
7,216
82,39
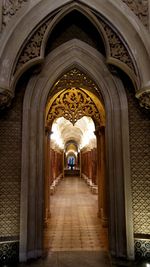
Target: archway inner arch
110,91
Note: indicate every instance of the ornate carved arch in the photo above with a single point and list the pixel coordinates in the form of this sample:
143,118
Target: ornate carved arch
110,21
73,101
117,148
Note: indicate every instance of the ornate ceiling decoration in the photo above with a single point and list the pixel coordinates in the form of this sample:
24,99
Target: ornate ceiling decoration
73,104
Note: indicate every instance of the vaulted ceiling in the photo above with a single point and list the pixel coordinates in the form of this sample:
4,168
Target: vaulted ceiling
82,133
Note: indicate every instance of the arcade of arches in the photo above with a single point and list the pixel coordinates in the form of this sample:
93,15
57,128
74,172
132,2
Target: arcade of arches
74,128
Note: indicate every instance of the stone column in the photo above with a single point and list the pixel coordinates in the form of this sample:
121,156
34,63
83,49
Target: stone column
47,175
63,162
0,16
101,173
80,163
104,209
99,177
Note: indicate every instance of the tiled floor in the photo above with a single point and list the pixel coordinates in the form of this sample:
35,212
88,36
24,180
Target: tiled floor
74,237
74,225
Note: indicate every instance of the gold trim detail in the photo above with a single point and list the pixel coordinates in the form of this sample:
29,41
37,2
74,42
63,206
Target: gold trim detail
73,104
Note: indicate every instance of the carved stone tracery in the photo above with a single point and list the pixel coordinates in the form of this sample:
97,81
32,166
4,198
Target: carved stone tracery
117,48
32,48
73,104
75,78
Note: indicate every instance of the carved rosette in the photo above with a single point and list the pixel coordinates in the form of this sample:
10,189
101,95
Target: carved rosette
140,9
10,8
73,104
144,99
5,99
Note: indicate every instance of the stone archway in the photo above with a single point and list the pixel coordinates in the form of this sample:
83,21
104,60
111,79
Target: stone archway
130,36
80,55
73,103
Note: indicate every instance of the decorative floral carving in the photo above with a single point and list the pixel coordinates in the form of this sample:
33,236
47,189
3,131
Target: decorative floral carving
144,99
140,9
73,104
5,99
75,78
117,48
10,7
32,48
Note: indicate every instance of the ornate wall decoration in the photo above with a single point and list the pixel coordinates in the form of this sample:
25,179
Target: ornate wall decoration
142,248
139,129
117,48
144,99
10,8
140,9
75,78
73,104
5,100
32,48
9,252
10,172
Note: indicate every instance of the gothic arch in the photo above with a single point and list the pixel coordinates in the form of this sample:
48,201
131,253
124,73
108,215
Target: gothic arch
130,32
78,54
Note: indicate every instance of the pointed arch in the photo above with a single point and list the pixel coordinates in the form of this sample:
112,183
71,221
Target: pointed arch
79,54
132,33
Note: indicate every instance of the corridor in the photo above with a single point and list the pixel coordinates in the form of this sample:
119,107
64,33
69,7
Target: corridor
74,225
74,236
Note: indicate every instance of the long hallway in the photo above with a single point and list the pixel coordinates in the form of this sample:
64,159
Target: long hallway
74,225
74,236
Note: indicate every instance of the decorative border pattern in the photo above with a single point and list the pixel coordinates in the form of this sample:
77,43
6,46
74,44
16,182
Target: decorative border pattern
9,252
142,248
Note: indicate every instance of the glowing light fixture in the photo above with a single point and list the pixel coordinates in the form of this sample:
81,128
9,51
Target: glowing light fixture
56,136
88,134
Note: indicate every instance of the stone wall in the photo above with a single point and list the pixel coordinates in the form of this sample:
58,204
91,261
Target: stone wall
10,176
139,127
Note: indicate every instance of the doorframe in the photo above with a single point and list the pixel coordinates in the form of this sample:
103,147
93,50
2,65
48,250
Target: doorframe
75,53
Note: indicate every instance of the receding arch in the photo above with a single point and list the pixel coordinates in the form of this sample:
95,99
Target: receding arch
113,11
88,60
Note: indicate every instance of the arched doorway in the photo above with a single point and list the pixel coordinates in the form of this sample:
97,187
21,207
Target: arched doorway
73,103
117,148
